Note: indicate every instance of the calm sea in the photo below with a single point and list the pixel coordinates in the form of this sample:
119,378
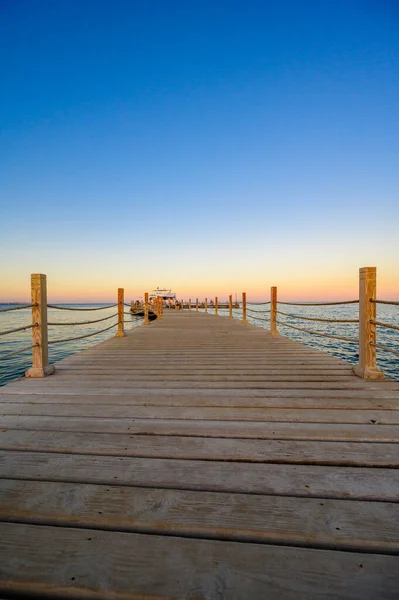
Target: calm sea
15,366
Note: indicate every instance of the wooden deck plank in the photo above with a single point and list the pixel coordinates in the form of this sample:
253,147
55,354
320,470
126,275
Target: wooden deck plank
309,522
78,565
214,398
235,449
11,391
267,478
248,429
117,385
366,454
226,413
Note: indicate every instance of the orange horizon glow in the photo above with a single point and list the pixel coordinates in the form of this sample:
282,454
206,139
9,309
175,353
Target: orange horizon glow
310,289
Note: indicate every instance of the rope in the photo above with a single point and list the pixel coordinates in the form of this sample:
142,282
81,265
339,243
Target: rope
257,311
259,318
18,329
82,336
18,307
84,322
128,313
280,312
384,348
385,325
256,303
335,337
67,308
393,303
318,303
18,351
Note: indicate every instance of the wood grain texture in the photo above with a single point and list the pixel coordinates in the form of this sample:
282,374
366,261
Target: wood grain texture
361,454
79,564
271,479
371,432
309,522
226,413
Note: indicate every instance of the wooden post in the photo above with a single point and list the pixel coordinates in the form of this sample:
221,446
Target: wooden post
146,320
206,305
216,306
189,304
367,367
231,306
196,305
244,307
121,310
273,311
40,366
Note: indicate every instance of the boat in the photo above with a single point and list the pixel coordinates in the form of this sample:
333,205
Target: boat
140,313
168,300
167,296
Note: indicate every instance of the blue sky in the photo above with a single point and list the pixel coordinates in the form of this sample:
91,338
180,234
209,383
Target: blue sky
205,146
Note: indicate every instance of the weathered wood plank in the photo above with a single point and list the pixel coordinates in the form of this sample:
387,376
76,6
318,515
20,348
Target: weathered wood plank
118,386
191,392
223,429
309,522
79,566
206,400
253,478
226,413
366,454
134,368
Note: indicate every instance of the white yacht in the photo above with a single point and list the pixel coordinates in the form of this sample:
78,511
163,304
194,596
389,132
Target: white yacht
168,297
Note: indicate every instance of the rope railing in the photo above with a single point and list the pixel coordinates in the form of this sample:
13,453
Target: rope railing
380,347
83,322
319,303
335,337
260,318
258,303
280,312
18,329
386,325
40,325
391,302
82,309
81,337
18,351
17,307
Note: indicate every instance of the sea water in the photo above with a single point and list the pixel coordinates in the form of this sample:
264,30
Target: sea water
15,366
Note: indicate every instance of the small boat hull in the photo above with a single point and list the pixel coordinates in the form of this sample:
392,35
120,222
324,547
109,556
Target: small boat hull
140,313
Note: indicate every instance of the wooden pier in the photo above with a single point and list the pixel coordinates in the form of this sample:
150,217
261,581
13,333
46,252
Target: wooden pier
200,457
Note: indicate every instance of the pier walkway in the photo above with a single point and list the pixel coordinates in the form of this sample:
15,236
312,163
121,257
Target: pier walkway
199,458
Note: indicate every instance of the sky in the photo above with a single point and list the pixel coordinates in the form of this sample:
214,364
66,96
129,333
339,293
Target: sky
212,147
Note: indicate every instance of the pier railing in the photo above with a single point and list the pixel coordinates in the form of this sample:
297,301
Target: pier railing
273,312
265,312
40,325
